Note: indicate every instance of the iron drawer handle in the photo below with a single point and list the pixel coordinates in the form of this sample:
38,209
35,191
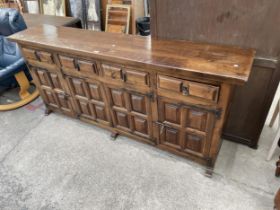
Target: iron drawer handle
185,91
76,65
124,77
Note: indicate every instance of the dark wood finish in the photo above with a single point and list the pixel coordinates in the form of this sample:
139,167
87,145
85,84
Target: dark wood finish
240,23
277,171
170,94
32,20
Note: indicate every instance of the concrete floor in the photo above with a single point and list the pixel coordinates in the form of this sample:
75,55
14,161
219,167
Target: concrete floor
59,163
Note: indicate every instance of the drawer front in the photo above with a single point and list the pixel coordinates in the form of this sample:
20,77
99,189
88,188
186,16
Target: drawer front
38,56
78,67
136,77
112,72
189,88
186,129
126,75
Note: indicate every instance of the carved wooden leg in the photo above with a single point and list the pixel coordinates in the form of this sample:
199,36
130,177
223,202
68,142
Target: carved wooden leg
277,171
209,172
114,135
47,111
209,168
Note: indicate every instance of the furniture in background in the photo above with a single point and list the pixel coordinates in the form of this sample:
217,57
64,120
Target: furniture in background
136,8
16,4
277,171
38,19
53,7
117,18
31,6
241,23
13,70
176,99
275,115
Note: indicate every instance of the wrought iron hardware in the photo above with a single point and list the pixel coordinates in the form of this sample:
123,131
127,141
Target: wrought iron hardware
216,112
37,56
124,76
151,96
76,64
185,90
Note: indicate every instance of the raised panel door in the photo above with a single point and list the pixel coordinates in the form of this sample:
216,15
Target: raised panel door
131,111
90,99
52,90
184,128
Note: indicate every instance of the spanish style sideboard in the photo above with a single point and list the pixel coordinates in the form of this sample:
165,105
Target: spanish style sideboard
170,94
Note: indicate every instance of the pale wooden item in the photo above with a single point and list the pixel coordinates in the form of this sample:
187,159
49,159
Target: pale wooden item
137,10
117,18
53,7
277,137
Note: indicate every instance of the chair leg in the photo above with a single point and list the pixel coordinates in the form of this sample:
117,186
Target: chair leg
277,171
274,145
23,84
25,96
275,113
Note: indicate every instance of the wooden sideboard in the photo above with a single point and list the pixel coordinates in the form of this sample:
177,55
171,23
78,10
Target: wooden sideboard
170,94
247,24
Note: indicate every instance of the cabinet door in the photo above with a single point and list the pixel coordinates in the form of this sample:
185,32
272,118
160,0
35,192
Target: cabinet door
184,128
131,111
90,99
52,90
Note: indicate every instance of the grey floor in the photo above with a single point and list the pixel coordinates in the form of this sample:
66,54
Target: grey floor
56,162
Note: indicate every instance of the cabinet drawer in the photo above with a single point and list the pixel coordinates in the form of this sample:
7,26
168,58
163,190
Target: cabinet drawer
126,75
37,55
189,88
136,77
78,67
112,72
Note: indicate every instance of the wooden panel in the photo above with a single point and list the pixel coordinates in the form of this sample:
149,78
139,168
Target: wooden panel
44,77
170,83
49,98
172,113
95,91
141,125
189,88
100,113
87,67
45,57
201,90
222,22
112,72
170,137
136,77
56,81
122,119
67,62
118,98
78,86
194,143
138,103
196,119
29,54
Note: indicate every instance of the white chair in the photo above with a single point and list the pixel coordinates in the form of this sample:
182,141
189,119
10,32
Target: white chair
277,137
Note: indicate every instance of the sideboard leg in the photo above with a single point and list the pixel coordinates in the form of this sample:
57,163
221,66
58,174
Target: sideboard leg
114,135
209,168
277,171
47,111
209,172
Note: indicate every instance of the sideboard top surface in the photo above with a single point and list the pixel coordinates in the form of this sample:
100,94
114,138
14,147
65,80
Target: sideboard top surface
223,63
